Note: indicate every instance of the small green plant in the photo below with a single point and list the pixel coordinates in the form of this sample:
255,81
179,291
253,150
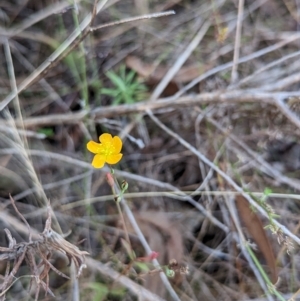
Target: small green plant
127,88
48,132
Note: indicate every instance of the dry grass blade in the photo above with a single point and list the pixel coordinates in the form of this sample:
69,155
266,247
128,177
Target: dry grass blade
152,73
180,61
236,55
257,231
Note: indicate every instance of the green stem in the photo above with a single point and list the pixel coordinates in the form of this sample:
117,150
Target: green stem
116,195
264,275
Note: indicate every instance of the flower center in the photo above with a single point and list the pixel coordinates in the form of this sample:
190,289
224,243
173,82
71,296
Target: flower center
109,149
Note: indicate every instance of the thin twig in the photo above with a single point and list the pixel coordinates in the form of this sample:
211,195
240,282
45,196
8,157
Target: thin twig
133,19
22,218
281,84
177,195
180,61
53,185
265,68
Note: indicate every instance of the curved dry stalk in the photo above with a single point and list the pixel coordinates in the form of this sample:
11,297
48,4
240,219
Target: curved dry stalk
12,78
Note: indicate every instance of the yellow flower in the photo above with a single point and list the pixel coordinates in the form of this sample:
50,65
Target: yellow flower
107,151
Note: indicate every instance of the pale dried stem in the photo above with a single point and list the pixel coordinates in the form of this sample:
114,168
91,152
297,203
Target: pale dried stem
219,97
242,243
133,19
266,67
280,84
52,185
12,79
237,44
180,61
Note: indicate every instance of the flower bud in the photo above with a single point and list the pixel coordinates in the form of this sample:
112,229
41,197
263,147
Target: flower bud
110,180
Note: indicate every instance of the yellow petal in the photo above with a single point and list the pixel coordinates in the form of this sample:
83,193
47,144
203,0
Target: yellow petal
117,143
113,159
98,161
94,147
105,138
